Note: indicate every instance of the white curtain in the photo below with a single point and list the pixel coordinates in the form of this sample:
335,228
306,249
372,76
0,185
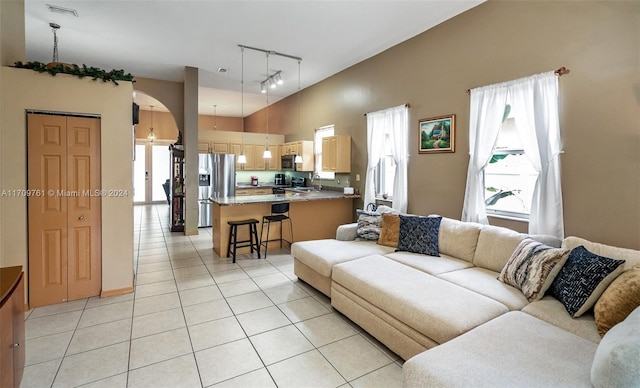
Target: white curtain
534,106
534,102
485,119
395,123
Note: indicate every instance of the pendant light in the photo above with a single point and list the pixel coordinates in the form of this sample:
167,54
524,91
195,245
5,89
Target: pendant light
152,136
242,158
267,153
298,158
215,118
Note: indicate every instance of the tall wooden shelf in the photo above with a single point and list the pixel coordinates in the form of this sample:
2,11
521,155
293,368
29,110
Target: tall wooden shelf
177,190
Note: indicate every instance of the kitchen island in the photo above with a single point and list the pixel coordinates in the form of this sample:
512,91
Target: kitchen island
314,214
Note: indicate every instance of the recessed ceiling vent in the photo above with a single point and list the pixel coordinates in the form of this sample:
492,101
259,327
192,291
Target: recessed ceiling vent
223,70
62,10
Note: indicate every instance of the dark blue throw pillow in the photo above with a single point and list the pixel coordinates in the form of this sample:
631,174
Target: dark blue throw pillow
419,234
583,278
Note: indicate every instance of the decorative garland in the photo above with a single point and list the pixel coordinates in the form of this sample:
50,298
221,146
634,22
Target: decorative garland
81,72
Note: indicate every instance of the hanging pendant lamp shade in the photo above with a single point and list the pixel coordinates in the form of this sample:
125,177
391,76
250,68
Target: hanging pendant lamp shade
152,136
267,153
242,158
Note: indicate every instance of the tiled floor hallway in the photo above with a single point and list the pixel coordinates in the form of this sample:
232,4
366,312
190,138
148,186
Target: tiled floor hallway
197,320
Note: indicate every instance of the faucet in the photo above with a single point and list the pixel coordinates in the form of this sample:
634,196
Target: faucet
317,176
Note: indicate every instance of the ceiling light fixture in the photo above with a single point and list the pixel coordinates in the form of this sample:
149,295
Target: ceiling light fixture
242,158
298,158
267,153
55,27
152,136
215,120
272,81
63,10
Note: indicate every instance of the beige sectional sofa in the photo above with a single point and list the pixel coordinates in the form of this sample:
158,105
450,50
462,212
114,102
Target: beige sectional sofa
449,316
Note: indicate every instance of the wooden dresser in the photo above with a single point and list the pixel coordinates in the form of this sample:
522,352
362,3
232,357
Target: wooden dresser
11,326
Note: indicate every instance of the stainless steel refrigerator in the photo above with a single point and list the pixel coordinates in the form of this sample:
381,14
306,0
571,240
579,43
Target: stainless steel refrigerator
216,178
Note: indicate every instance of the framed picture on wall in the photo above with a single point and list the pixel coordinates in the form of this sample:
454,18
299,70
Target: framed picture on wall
437,134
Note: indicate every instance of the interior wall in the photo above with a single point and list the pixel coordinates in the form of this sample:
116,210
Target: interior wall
495,42
25,89
11,32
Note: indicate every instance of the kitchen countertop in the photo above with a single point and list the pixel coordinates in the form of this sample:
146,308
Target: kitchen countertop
291,195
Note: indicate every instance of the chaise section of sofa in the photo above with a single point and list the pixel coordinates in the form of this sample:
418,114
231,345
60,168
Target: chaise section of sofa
513,350
313,260
384,296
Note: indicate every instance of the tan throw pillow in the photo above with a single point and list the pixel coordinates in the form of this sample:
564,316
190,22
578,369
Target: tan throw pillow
618,300
390,230
532,268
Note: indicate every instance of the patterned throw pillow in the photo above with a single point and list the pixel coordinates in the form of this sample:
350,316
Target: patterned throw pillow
368,225
419,235
390,230
532,268
618,300
583,278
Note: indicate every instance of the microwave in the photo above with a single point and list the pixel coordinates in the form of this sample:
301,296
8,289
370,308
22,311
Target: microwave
287,163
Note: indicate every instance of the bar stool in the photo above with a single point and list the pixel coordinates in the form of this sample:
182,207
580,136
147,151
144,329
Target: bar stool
233,237
279,213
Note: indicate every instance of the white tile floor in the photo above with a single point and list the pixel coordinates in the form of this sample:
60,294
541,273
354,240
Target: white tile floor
197,320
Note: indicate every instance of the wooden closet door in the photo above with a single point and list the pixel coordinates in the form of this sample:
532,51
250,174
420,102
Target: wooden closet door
84,209
65,234
47,178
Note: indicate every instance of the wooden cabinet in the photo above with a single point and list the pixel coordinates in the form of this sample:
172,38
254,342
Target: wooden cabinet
12,338
305,149
275,164
336,154
177,190
203,147
254,191
259,162
219,148
213,147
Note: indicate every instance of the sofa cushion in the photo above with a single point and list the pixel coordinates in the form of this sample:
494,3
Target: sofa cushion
430,264
505,352
532,268
368,225
322,255
484,282
495,246
616,360
583,278
550,310
458,239
434,307
419,234
630,256
618,300
389,230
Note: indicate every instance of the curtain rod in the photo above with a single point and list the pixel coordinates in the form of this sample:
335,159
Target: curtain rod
407,105
561,71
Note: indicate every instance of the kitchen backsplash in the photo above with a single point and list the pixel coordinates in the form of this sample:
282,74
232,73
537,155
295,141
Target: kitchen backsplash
244,177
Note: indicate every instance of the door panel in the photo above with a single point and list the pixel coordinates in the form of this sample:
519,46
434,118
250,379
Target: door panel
65,221
47,213
84,214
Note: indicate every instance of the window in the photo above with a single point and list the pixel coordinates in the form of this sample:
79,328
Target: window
509,178
385,172
321,132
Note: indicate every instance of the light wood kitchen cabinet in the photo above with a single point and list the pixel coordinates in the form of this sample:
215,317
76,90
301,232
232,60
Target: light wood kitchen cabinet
275,164
336,154
305,149
203,147
12,337
219,148
258,157
253,191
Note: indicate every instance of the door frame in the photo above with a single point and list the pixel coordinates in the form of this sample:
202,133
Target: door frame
148,166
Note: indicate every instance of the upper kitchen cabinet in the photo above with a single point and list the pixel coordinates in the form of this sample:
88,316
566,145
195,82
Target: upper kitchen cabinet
303,148
336,154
